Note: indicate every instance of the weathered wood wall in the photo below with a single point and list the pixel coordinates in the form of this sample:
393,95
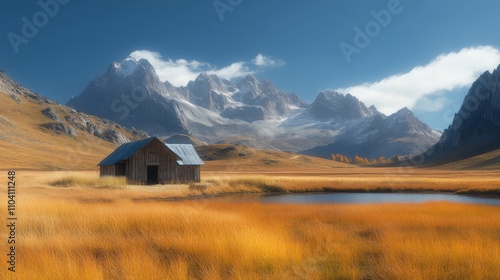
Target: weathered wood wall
153,153
189,173
108,170
156,153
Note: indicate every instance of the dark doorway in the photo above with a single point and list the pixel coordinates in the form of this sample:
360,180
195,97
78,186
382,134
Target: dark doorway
121,168
152,175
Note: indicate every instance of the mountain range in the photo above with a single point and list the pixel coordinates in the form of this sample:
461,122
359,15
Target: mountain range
36,131
250,112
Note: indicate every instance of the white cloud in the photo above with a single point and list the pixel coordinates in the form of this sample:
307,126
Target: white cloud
179,72
266,61
447,72
235,70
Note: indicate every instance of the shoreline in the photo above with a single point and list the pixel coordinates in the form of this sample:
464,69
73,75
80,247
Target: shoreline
488,194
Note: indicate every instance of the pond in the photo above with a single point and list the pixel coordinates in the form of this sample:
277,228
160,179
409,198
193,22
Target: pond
365,198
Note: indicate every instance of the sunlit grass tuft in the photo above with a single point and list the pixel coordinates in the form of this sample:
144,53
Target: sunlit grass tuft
107,182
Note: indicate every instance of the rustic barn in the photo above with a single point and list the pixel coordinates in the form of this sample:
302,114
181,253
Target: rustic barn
149,161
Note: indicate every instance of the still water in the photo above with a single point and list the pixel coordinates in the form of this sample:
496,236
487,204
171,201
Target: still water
369,198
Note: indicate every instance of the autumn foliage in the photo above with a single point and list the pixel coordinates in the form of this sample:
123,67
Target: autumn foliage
366,161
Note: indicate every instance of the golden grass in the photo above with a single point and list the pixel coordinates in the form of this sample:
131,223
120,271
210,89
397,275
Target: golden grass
136,232
463,182
214,239
90,182
357,180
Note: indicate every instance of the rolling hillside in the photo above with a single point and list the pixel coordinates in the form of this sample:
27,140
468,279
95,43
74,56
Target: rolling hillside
486,161
235,158
37,133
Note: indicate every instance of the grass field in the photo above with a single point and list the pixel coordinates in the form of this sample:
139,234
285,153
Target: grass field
216,183
76,226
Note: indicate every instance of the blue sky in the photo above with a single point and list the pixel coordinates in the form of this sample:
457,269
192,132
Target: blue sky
424,56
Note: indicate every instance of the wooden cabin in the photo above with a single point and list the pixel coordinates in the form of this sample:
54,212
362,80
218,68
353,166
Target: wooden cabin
150,161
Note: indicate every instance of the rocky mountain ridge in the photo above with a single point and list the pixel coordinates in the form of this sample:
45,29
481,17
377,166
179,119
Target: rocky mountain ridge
65,120
476,126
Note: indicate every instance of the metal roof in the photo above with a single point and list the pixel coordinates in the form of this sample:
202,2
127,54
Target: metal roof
186,153
125,151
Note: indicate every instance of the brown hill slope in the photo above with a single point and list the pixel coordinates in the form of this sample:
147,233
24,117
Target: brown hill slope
236,158
486,161
37,133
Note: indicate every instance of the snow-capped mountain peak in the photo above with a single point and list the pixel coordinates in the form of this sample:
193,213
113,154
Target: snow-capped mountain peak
404,112
331,104
126,68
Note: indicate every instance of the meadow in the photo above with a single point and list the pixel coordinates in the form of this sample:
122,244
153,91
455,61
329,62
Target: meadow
77,226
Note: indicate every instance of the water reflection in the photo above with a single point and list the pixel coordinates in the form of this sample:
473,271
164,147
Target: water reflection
368,198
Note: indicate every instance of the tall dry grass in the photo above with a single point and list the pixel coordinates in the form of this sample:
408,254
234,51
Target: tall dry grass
214,239
93,181
348,183
134,232
214,185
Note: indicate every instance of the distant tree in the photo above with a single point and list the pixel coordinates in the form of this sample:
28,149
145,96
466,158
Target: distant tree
397,158
341,158
382,160
359,160
335,158
346,159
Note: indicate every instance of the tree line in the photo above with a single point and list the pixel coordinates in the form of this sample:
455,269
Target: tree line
362,160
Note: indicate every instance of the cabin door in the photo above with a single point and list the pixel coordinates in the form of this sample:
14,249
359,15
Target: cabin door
121,168
152,175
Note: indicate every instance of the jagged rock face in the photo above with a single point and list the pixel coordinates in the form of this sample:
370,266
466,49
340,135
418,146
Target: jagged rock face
476,126
274,103
9,86
59,127
333,105
248,113
114,136
405,123
48,112
250,100
376,135
209,91
73,123
78,121
132,95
